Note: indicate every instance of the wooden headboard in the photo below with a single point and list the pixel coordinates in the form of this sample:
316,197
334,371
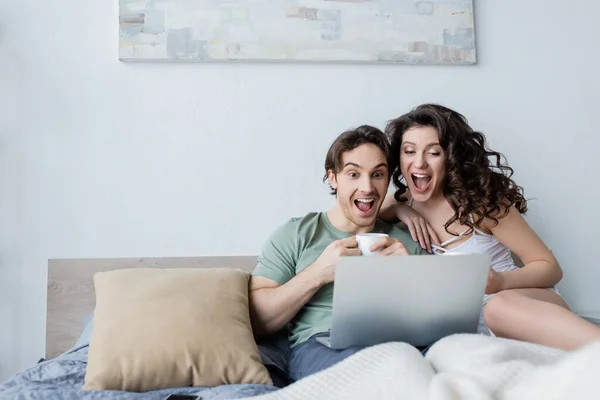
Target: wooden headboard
71,295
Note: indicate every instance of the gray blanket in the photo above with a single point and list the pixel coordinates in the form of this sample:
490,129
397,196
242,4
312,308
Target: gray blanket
62,378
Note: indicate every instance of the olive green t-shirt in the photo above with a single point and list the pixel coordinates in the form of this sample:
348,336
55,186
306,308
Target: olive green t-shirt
297,244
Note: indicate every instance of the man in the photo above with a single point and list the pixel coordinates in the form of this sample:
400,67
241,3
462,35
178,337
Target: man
292,283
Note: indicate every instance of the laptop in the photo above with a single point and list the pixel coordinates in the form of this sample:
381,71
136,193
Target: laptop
416,299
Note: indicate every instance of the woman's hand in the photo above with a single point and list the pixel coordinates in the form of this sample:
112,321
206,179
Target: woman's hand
419,228
495,282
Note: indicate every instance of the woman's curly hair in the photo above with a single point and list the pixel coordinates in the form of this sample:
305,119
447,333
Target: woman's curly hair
474,185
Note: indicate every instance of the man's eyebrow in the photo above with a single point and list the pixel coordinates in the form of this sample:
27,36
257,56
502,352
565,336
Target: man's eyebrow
355,165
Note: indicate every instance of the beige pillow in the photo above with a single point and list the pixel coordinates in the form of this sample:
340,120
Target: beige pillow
163,328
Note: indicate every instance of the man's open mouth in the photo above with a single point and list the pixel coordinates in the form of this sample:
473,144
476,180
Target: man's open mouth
364,205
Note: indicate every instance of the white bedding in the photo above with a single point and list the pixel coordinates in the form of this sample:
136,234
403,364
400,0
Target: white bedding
457,367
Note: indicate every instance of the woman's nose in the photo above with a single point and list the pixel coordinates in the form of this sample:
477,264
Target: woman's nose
420,162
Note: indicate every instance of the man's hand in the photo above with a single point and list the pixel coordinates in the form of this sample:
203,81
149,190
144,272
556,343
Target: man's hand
389,246
324,266
495,282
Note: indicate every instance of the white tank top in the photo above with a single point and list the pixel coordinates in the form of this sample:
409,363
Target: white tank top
480,242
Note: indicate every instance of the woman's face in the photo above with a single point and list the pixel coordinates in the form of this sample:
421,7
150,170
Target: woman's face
422,162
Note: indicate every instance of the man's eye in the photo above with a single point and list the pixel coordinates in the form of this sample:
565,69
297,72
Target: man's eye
352,174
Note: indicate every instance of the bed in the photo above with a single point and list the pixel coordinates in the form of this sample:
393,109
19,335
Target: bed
457,367
70,304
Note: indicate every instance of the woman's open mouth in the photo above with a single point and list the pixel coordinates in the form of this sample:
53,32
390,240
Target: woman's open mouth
421,182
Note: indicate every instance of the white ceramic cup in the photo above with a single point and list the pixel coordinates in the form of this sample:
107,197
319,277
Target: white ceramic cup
366,240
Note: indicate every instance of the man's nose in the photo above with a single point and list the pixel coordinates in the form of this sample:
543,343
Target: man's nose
366,185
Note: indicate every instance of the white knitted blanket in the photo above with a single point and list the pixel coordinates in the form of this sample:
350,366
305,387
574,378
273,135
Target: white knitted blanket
455,368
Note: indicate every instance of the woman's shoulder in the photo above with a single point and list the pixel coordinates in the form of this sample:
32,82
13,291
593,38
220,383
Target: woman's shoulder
503,216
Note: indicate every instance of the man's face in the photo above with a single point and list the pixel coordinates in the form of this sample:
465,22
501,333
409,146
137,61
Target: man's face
361,184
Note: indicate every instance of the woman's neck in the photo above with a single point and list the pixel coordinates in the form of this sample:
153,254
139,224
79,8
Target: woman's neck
434,203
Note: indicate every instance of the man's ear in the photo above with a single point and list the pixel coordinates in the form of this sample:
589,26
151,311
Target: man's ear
332,179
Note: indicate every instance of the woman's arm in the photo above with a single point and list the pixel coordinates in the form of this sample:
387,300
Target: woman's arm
387,212
420,230
540,269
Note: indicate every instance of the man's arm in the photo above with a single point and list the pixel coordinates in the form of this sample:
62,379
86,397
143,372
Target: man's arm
277,293
273,305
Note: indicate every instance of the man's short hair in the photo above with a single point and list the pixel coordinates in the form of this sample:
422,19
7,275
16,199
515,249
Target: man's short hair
351,139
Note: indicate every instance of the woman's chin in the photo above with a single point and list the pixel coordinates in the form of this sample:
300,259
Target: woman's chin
421,195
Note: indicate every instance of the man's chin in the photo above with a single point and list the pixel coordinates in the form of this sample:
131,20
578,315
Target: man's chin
358,218
369,218
364,222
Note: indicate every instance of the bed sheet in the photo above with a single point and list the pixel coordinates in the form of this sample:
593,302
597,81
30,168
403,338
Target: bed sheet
62,378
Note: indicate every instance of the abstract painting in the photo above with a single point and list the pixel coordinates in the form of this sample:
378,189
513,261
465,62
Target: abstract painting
375,31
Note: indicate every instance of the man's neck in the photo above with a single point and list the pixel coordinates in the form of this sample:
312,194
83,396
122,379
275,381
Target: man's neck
338,220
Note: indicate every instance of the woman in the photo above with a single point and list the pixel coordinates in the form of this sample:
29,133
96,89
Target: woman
459,201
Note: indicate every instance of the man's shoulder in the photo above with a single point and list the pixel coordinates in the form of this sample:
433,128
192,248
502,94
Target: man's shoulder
280,254
308,218
284,247
299,222
398,233
390,229
296,227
